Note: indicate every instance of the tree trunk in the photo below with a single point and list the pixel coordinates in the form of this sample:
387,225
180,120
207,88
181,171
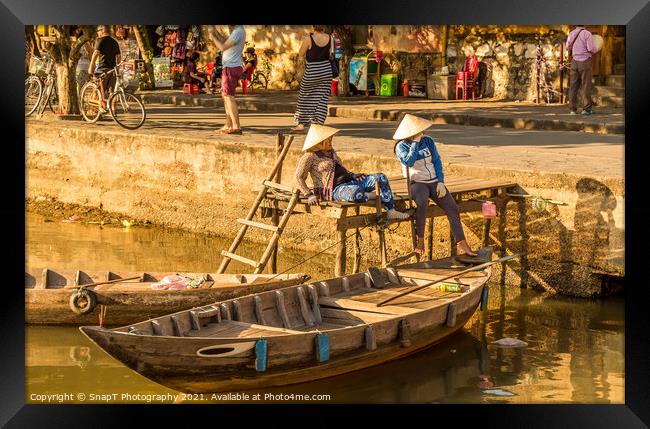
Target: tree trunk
66,52
146,51
67,90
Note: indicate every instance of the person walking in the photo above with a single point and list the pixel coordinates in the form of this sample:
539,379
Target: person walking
421,164
232,49
106,55
332,181
581,45
315,85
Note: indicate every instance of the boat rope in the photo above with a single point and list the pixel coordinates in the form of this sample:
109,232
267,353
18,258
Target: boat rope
321,252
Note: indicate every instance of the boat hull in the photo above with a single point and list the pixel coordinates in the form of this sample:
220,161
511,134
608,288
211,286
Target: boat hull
291,358
52,306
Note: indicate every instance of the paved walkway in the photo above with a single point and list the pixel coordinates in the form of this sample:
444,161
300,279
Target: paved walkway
499,114
594,155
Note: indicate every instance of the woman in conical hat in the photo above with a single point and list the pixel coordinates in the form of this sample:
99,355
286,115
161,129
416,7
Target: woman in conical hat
421,163
332,181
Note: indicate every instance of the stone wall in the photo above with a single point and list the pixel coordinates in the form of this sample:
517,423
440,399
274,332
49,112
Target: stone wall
204,186
507,57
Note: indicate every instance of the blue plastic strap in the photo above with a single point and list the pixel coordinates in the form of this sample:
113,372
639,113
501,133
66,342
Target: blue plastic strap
484,298
261,347
323,347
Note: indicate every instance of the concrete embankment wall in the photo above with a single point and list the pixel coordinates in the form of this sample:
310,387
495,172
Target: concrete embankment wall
204,186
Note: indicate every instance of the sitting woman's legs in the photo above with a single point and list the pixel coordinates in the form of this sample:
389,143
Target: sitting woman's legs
420,193
351,192
449,206
385,192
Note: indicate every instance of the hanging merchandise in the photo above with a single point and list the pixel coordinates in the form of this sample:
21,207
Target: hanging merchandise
160,30
178,53
338,48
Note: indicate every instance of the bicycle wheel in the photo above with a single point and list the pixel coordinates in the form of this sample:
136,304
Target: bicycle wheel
33,94
127,110
90,102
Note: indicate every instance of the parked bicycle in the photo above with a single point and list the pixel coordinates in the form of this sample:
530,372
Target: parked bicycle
40,86
124,107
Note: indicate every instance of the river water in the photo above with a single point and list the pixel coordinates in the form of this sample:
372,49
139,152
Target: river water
575,351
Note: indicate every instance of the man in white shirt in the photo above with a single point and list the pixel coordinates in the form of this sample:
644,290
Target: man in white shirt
232,48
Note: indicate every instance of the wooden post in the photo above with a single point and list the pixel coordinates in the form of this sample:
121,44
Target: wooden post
430,239
380,231
341,250
488,222
562,73
412,221
357,246
452,244
275,217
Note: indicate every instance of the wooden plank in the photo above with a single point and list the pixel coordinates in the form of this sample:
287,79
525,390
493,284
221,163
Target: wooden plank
324,288
218,308
351,304
304,308
404,333
371,341
196,325
345,282
354,317
241,259
451,315
236,310
156,328
315,308
225,311
259,225
282,310
259,311
279,187
433,210
178,332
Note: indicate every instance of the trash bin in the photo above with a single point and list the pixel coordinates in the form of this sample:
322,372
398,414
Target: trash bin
388,87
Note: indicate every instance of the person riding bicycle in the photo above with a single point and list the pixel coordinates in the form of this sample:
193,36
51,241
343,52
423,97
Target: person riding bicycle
105,56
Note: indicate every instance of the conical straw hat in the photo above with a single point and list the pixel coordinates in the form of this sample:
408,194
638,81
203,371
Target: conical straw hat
317,133
410,126
598,42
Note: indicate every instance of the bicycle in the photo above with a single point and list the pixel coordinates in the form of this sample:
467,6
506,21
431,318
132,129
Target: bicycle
40,88
259,80
125,108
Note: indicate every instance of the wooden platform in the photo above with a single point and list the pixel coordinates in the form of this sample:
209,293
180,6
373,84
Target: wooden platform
468,192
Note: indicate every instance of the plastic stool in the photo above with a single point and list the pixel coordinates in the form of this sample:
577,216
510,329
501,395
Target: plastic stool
190,88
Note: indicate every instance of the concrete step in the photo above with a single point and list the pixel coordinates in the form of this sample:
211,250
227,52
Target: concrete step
615,80
612,91
619,69
608,101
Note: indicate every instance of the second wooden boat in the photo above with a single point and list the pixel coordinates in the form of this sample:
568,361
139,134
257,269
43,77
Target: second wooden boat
74,297
300,333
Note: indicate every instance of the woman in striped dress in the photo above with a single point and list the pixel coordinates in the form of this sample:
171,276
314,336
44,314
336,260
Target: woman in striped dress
315,85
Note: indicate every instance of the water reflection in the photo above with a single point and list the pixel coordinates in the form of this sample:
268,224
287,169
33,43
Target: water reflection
575,352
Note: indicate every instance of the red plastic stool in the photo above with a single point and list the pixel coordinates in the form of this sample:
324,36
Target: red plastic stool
190,88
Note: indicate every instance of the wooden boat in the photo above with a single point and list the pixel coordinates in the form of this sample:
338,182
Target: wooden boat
297,334
55,297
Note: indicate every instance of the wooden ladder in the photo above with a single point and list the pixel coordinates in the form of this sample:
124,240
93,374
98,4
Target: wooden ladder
267,184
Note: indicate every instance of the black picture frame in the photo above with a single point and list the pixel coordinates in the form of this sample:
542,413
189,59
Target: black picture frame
634,14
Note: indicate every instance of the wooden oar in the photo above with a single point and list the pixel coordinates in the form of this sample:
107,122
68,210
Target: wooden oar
104,282
477,267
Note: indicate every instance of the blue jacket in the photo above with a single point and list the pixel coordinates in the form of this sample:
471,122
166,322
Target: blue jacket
422,158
